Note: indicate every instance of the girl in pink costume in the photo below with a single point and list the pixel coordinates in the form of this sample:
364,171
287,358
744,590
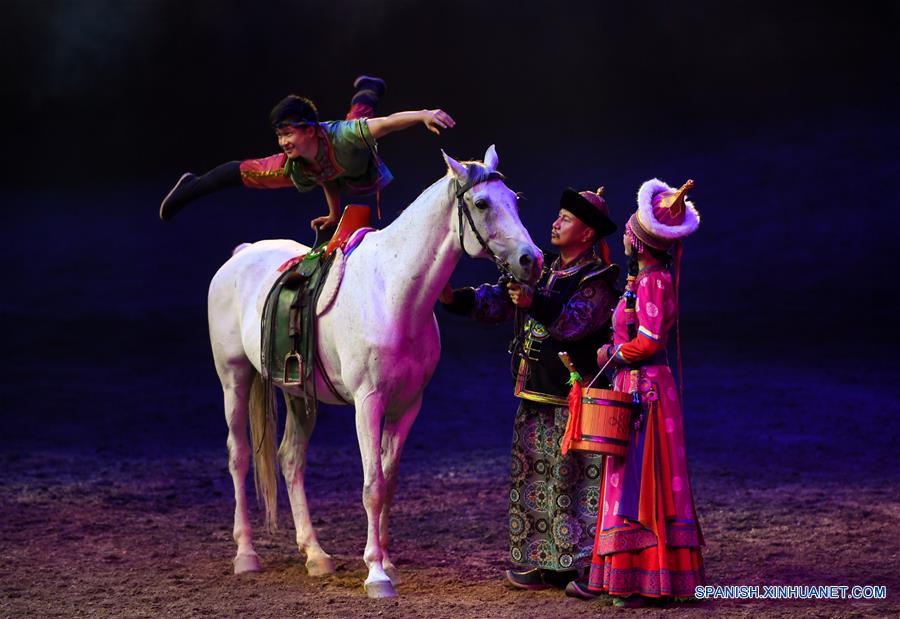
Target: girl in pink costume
647,544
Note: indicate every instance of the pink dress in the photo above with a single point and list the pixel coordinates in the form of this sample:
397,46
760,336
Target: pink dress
648,539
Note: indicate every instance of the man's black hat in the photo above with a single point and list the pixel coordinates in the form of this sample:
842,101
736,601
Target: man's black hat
589,207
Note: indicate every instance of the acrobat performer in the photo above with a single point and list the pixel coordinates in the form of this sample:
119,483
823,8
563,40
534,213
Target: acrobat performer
339,156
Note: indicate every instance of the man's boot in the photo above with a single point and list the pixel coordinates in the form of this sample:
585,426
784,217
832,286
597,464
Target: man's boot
535,578
532,579
579,589
190,187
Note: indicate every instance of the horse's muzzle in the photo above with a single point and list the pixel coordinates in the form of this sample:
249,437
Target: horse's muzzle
530,264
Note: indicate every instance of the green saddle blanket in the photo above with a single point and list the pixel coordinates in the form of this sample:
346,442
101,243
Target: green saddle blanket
288,352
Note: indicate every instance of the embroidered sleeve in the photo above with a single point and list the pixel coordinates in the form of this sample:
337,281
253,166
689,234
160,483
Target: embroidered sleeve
492,304
488,303
585,312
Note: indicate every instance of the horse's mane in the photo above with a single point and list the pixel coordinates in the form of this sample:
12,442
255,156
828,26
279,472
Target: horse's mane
427,194
477,167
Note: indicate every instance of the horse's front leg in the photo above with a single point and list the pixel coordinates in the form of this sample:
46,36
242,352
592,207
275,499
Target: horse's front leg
298,429
369,415
236,387
393,438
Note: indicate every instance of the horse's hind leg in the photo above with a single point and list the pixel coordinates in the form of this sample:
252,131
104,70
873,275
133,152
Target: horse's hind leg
393,438
292,455
237,379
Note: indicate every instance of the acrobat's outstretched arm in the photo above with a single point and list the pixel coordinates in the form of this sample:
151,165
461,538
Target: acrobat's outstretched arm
434,121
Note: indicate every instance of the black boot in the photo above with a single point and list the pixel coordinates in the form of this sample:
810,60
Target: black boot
369,90
559,579
529,579
368,82
190,187
579,589
535,578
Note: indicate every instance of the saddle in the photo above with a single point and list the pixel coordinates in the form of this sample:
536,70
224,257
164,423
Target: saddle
289,353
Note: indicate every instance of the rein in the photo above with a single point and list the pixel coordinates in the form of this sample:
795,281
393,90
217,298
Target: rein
477,177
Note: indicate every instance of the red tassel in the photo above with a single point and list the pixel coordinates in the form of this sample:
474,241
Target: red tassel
604,251
573,425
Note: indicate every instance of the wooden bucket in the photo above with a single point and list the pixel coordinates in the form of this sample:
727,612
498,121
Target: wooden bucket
605,421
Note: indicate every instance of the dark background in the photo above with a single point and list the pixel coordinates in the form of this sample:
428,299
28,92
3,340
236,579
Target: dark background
785,115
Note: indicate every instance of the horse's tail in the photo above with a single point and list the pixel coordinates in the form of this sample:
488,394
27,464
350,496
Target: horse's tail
263,428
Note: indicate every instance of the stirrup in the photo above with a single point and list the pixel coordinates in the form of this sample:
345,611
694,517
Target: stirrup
293,366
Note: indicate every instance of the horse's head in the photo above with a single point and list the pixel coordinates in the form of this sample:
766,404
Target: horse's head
488,219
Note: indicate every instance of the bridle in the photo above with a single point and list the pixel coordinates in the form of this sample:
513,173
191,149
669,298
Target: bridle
477,175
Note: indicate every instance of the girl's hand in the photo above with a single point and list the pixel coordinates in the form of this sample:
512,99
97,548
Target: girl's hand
603,354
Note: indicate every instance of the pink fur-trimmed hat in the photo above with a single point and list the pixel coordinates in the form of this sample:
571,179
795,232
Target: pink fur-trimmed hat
664,216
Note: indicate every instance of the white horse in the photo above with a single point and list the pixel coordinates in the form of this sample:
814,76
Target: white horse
379,345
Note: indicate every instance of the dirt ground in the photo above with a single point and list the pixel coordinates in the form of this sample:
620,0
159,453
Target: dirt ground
89,537
117,500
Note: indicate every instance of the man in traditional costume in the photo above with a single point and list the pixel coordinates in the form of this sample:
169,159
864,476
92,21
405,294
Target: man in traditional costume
648,538
338,156
553,497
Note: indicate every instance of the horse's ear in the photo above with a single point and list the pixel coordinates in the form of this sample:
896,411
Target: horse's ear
491,160
458,169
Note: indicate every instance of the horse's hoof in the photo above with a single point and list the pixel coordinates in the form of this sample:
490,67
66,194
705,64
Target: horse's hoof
247,563
320,567
380,589
394,574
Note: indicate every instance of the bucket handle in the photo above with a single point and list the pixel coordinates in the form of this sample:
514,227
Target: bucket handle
603,369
